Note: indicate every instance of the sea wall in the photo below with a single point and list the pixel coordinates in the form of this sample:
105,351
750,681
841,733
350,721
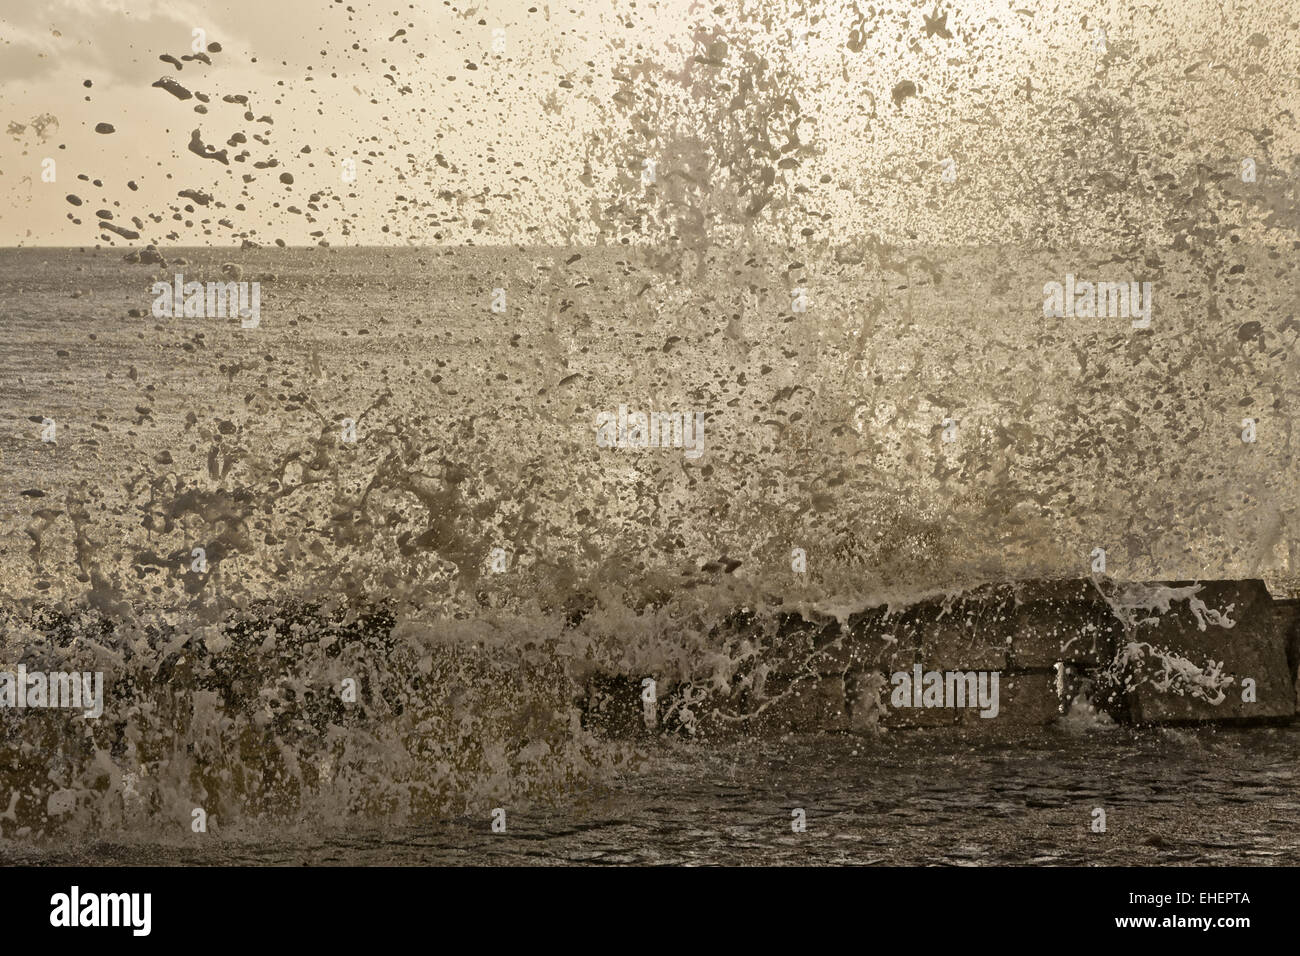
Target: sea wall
1129,652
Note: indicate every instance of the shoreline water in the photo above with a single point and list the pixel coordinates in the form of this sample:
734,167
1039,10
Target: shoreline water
1208,796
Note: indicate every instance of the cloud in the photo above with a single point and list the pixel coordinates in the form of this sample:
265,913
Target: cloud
100,40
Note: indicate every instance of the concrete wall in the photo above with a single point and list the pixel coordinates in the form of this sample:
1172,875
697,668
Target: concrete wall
1143,652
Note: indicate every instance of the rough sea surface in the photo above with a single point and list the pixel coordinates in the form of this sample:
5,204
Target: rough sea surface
475,431
1172,797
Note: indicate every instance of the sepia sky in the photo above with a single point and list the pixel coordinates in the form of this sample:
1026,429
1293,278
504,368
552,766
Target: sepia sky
457,141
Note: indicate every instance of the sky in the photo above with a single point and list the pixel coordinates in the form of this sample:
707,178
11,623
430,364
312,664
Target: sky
502,122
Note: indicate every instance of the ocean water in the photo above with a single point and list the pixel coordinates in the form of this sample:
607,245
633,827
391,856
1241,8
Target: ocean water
473,557
1172,797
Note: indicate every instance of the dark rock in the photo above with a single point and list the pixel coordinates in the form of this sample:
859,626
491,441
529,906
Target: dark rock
1062,621
803,705
1190,648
